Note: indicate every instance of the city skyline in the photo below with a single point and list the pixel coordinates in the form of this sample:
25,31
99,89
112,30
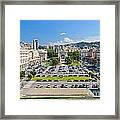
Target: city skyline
50,32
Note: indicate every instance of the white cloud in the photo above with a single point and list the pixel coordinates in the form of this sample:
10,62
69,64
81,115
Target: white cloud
67,40
63,33
91,39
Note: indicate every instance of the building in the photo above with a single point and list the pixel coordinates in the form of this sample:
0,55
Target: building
34,58
24,54
97,55
56,48
35,44
30,56
92,53
61,47
84,52
62,55
37,56
42,55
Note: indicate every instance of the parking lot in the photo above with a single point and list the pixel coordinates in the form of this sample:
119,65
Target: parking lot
59,70
54,86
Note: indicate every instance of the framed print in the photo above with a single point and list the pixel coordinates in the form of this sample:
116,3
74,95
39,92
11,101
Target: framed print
60,59
57,69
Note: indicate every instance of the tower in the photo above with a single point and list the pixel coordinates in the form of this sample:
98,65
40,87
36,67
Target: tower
35,44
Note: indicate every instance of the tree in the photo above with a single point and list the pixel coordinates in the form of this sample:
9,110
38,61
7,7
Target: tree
29,76
22,73
68,60
33,72
41,47
74,55
55,54
51,53
54,61
70,54
91,74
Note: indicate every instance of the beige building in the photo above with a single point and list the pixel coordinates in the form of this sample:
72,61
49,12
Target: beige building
43,55
33,57
37,56
29,56
84,52
24,54
71,49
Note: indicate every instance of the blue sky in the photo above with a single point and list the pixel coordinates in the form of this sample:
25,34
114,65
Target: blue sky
59,31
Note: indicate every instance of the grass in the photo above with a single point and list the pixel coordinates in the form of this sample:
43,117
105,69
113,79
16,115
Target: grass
62,78
75,63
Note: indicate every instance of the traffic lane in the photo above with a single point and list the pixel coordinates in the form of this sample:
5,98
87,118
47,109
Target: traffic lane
61,84
55,91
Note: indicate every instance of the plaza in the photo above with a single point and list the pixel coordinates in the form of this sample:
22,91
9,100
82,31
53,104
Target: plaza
56,71
61,80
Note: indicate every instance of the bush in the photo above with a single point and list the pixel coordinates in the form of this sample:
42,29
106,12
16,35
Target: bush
29,76
33,72
22,73
68,60
54,61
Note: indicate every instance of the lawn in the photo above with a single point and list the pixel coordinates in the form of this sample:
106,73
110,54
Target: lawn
75,63
62,78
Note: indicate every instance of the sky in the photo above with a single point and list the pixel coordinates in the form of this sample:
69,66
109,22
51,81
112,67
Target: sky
59,31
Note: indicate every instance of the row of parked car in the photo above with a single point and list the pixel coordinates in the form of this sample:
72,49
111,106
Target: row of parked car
67,80
62,86
66,70
38,85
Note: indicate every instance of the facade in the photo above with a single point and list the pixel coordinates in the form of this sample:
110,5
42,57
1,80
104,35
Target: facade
24,54
56,48
84,52
92,53
90,56
34,58
62,55
97,54
35,44
73,49
42,55
30,56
